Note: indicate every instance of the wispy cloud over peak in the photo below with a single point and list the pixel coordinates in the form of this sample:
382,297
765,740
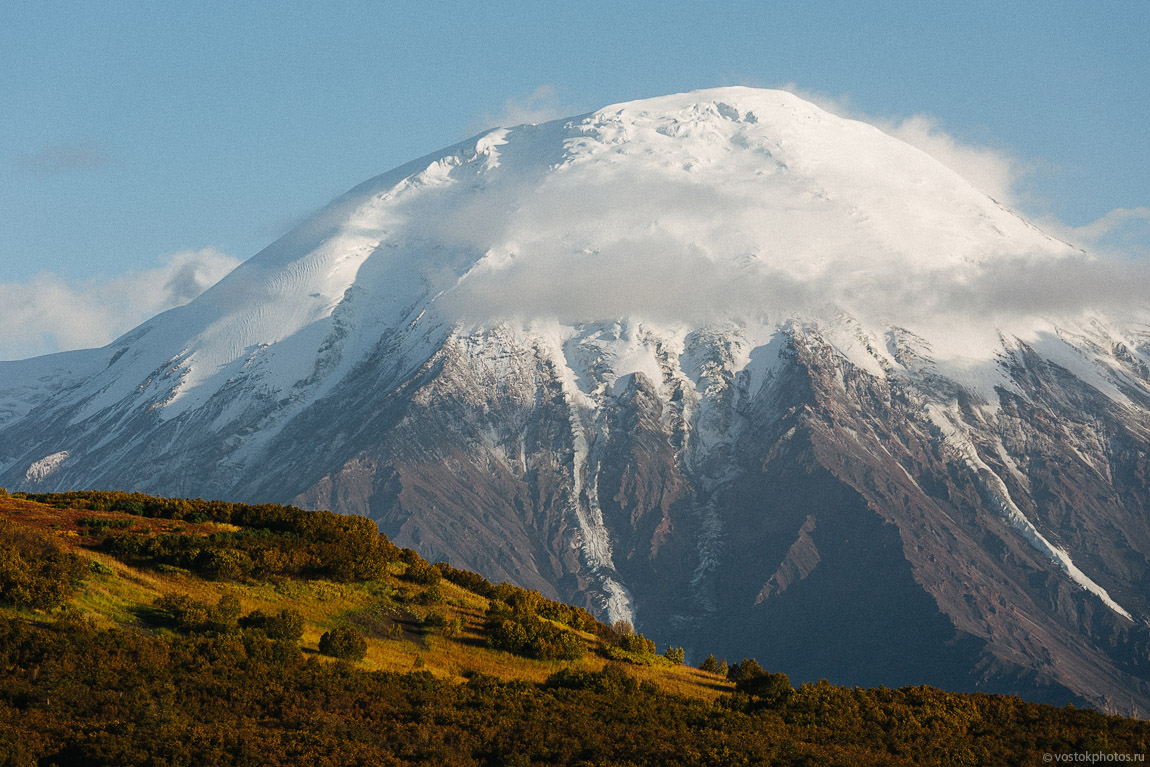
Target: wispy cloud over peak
992,171
539,106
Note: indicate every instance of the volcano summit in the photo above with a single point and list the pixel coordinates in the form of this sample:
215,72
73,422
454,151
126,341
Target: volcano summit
766,381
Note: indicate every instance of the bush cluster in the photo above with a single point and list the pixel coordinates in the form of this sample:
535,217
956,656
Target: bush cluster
73,694
275,541
287,624
529,601
344,643
526,600
35,572
614,679
624,644
518,628
192,616
419,571
751,679
473,582
186,614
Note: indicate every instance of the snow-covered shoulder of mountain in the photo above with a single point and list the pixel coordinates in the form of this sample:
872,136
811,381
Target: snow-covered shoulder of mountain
24,384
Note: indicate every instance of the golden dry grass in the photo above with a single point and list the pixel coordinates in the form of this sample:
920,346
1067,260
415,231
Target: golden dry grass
119,594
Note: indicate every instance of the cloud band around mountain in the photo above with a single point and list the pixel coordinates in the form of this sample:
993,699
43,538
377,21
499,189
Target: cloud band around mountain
51,313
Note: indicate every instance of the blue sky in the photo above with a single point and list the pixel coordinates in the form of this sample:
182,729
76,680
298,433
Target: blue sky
146,147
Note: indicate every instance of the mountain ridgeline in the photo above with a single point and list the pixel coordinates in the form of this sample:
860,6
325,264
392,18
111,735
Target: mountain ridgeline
720,364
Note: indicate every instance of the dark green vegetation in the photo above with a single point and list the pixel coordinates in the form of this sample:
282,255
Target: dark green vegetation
208,674
35,571
272,541
348,644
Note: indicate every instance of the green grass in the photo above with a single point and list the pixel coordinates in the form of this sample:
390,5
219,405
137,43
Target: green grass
120,594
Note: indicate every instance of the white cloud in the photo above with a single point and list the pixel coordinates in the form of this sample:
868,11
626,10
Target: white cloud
1119,234
540,106
62,158
667,280
993,172
585,247
1119,240
50,313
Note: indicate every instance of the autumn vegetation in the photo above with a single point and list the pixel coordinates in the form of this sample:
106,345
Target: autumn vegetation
149,631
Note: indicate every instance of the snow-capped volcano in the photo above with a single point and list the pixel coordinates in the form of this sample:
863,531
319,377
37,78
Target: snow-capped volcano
720,362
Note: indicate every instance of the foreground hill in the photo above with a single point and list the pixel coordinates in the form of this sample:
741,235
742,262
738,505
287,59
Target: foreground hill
140,630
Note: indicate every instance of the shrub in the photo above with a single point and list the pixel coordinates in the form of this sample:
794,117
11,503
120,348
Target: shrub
432,595
223,564
193,616
435,620
418,571
768,687
347,644
530,636
286,625
34,571
748,668
450,627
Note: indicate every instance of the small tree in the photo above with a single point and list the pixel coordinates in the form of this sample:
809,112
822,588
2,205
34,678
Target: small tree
674,654
419,572
710,664
348,644
618,631
223,564
770,688
748,668
288,624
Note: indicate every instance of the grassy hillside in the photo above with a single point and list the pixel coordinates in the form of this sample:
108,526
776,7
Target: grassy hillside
139,630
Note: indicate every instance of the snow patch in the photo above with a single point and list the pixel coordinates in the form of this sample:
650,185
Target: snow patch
960,442
592,538
40,470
